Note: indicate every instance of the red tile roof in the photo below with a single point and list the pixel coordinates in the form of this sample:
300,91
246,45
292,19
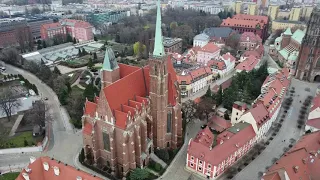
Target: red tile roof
87,129
254,53
219,124
315,103
204,137
220,152
250,36
302,161
210,47
51,25
224,85
193,74
37,171
130,90
248,64
228,57
260,114
217,64
240,23
262,19
314,123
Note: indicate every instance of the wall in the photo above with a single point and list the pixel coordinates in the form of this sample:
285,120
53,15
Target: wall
39,148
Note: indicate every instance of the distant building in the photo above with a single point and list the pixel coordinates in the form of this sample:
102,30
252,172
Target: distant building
51,30
201,40
273,11
300,162
222,65
284,24
252,9
209,8
35,25
306,11
171,45
249,41
295,14
193,80
238,7
13,32
248,64
97,19
248,23
208,52
45,168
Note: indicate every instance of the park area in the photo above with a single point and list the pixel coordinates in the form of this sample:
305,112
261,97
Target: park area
9,176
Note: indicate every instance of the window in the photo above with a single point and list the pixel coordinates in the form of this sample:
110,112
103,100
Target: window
200,162
192,158
169,122
237,113
200,168
155,69
209,166
191,164
106,141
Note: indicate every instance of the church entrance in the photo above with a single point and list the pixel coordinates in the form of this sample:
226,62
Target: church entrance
317,78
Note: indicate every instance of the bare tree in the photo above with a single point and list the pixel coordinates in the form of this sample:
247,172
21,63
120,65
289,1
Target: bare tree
8,102
39,114
189,110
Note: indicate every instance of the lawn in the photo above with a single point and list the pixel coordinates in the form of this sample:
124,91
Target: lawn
19,140
9,176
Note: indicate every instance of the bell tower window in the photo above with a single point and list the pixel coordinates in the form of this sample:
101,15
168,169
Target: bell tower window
155,69
106,141
169,122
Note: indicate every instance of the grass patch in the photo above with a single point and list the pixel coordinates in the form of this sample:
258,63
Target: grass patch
10,176
20,140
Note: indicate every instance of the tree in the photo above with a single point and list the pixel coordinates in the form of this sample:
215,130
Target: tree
84,52
39,47
74,41
233,40
189,110
173,25
79,52
90,64
69,38
139,174
90,92
8,102
35,10
209,92
75,108
39,114
10,56
56,70
205,106
95,38
219,96
138,48
44,44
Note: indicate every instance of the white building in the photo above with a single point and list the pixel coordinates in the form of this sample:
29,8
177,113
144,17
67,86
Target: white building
201,40
222,65
194,80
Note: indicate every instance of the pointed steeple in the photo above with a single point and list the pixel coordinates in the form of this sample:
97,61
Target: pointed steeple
109,62
158,50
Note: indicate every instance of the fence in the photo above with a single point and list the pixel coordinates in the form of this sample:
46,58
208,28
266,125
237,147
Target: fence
39,148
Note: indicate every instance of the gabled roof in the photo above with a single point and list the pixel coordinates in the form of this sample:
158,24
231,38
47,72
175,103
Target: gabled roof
250,36
37,171
248,64
210,47
202,37
298,35
260,114
219,124
228,57
218,32
288,32
51,25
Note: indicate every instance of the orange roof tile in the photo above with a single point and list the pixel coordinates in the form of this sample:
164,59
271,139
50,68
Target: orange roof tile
262,19
219,124
87,128
90,108
217,64
250,36
204,137
51,25
210,47
248,64
228,57
240,23
65,171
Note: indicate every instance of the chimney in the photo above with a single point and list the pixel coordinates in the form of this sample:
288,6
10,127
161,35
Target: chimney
46,166
79,178
221,142
295,168
56,170
304,160
238,129
32,159
25,176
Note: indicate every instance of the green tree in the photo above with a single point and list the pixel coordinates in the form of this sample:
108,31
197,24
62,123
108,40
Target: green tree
74,41
90,92
25,142
56,70
79,52
138,48
139,174
44,44
90,64
173,25
69,38
95,57
63,95
219,96
95,38
39,47
209,92
84,52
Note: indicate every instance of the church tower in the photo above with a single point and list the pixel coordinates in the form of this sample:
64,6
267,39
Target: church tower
110,71
159,86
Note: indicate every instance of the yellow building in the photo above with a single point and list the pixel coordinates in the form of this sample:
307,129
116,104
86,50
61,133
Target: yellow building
283,14
306,11
252,9
295,14
238,6
273,11
283,24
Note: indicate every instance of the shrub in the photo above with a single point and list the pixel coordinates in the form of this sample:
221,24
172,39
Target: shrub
162,154
26,143
290,145
157,167
299,126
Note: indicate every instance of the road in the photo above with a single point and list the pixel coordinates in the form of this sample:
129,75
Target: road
64,141
288,130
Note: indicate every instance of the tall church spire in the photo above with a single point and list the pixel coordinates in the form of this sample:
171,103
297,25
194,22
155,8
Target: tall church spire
158,50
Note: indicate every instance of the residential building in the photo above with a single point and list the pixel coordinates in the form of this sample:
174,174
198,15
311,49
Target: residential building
218,123
238,7
46,168
252,9
210,8
80,30
102,18
308,61
121,128
171,45
35,25
313,122
249,41
283,14
273,11
295,13
193,80
11,33
182,61
51,30
201,40
208,52
248,23
300,162
287,46
284,24
248,64
209,155
306,11
223,65
218,35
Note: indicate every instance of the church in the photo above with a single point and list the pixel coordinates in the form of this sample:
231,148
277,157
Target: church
138,109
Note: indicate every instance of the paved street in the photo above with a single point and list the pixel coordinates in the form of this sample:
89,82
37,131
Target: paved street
288,130
176,170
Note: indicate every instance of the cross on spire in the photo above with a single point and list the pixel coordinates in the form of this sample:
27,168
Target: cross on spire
158,50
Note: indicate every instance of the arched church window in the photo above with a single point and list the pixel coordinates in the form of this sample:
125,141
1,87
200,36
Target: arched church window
314,42
316,32
155,69
106,141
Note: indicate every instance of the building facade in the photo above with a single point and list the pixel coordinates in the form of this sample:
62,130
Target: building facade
223,65
49,31
284,24
171,45
208,52
121,129
13,32
35,26
295,13
194,80
80,30
308,65
249,41
252,9
273,11
97,19
248,23
201,40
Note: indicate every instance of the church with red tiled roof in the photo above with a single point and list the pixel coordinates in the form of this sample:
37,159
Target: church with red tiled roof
138,109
